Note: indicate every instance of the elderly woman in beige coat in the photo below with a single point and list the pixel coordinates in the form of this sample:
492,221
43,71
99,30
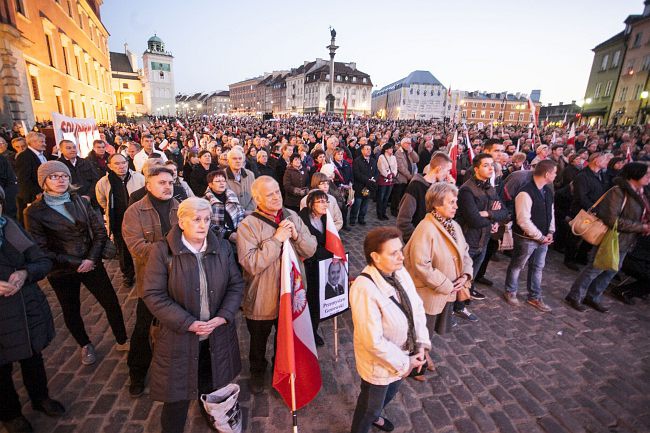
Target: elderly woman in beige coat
390,334
437,257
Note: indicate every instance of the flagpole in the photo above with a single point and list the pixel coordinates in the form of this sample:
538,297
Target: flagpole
336,339
294,415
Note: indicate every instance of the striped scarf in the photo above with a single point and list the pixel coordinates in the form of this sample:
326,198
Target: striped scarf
219,209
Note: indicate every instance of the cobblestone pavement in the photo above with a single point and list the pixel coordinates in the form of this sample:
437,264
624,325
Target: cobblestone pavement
516,370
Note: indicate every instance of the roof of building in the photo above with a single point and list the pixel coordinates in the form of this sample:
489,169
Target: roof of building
120,62
617,38
500,96
155,38
340,68
415,77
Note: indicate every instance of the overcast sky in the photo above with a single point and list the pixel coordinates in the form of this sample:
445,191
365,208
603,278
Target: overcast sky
513,45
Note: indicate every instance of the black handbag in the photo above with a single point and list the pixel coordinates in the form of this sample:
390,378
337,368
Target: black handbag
110,250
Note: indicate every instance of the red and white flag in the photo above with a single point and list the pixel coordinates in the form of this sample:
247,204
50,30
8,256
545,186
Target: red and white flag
572,135
628,153
179,124
297,374
345,107
470,151
333,242
453,155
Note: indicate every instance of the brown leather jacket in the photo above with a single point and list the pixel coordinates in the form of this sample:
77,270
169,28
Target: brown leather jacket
141,228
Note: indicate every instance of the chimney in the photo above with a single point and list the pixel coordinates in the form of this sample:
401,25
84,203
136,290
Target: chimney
352,65
561,103
573,102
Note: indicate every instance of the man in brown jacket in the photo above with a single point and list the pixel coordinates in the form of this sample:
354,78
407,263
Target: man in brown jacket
146,222
259,246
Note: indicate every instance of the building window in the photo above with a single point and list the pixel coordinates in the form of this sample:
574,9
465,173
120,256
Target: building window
70,8
482,114
50,48
338,78
623,94
492,105
72,105
597,91
59,100
511,116
603,63
33,81
125,85
472,114
637,40
78,66
491,114
484,105
20,7
646,63
608,88
65,60
616,58
83,106
521,117
364,80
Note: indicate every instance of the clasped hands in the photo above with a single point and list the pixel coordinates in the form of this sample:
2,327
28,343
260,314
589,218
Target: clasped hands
13,284
201,328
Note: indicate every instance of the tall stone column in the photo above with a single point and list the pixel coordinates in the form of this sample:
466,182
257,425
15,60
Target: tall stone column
330,96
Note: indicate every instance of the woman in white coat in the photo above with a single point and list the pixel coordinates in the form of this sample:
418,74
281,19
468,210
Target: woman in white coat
390,333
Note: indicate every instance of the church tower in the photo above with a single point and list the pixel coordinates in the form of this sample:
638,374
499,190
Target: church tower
158,80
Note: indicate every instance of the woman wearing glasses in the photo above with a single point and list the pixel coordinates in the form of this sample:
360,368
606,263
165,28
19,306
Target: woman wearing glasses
73,236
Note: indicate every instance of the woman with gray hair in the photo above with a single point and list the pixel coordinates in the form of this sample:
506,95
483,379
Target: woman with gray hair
194,288
437,257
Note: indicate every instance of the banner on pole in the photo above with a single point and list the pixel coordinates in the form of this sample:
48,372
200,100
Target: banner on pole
81,132
333,287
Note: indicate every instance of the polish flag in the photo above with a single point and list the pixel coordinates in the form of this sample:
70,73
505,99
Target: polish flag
180,125
345,107
628,153
470,151
333,242
453,154
572,135
297,375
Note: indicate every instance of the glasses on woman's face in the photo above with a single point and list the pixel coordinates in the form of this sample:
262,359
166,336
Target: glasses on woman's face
321,201
58,176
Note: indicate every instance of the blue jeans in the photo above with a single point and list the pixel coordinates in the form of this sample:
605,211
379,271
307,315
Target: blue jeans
359,208
591,283
477,259
525,249
383,193
371,401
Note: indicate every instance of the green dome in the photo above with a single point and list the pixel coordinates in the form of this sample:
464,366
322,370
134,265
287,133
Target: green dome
156,39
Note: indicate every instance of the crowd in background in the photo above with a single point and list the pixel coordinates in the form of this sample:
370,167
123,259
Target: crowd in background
196,211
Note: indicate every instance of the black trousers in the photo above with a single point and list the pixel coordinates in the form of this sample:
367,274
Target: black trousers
67,288
396,197
575,249
124,256
139,357
35,381
492,247
371,402
260,331
174,414
345,210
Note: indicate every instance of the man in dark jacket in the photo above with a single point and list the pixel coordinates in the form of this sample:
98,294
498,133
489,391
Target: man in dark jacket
480,211
27,163
412,206
83,174
588,186
364,172
98,157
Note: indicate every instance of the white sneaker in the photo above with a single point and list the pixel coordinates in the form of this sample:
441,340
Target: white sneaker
88,355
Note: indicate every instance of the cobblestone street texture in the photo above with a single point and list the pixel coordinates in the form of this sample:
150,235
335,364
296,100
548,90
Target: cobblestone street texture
516,370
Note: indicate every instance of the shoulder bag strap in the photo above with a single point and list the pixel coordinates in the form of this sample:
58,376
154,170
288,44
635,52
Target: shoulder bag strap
392,298
602,197
266,220
78,202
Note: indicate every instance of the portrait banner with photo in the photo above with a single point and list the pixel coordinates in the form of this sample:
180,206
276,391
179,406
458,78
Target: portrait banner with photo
333,287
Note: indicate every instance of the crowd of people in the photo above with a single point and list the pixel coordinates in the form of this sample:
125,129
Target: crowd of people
196,212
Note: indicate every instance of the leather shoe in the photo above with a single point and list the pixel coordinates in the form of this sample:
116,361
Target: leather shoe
484,281
18,425
50,407
596,305
386,426
362,222
256,383
575,304
136,389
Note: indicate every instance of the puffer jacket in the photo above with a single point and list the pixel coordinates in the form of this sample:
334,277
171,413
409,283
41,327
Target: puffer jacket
172,295
260,256
66,243
25,318
629,219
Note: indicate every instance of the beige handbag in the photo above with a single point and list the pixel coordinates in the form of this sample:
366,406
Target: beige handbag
588,226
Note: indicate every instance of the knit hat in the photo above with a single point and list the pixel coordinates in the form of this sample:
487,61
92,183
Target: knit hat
49,167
